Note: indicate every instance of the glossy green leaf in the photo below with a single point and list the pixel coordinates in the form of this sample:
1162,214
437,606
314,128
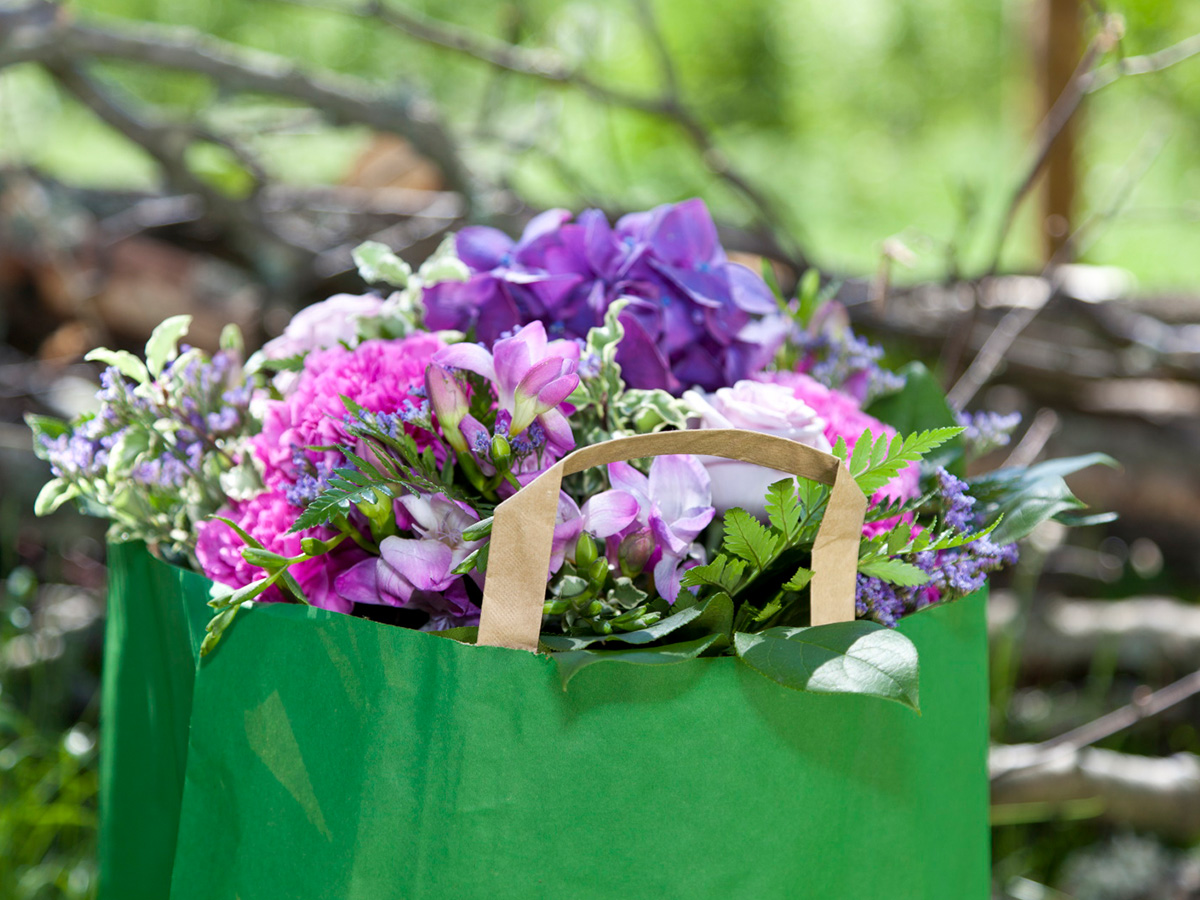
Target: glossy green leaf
1027,497
842,658
572,662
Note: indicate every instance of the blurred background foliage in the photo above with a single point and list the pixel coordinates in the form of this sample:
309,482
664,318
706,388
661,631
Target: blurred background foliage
861,121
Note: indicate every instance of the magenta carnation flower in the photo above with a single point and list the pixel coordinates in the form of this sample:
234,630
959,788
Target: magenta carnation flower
844,419
266,517
381,376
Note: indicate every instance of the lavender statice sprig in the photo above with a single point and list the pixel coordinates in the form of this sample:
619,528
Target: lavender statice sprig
985,431
895,580
164,449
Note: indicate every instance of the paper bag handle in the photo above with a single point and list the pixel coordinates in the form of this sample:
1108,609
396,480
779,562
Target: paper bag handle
523,526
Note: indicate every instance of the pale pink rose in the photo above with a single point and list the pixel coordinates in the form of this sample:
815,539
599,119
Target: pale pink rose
752,405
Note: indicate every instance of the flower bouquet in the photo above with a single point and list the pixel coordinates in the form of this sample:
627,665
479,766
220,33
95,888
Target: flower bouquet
399,456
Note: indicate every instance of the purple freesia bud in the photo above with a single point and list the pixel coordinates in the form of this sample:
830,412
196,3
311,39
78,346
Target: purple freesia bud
634,552
449,403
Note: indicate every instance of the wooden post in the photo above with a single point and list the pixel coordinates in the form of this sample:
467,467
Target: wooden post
1059,52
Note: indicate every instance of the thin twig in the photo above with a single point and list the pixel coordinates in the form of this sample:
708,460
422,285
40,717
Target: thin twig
1143,65
1132,174
1113,723
658,42
1044,424
1050,129
168,146
1017,320
1125,717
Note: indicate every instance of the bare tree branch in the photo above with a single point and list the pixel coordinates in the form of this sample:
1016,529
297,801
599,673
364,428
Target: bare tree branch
168,146
1161,795
1016,321
549,67
342,100
1141,634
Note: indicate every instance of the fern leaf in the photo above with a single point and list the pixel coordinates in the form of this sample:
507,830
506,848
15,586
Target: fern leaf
345,488
894,571
799,581
902,453
723,572
783,510
749,539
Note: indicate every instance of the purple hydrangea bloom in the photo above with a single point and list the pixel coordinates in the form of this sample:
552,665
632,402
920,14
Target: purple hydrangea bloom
693,319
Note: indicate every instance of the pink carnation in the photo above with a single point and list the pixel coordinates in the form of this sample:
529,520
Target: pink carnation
266,517
845,419
381,376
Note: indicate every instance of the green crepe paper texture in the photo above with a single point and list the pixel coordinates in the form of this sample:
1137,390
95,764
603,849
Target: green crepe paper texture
156,619
333,757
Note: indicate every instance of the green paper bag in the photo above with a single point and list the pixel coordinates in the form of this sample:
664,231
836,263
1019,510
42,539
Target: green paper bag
334,757
156,619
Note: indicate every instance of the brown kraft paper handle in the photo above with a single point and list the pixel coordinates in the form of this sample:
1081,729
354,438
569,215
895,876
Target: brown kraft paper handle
523,526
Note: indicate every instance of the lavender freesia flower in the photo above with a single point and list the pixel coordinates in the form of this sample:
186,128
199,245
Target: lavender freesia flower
693,318
674,504
603,515
417,573
531,375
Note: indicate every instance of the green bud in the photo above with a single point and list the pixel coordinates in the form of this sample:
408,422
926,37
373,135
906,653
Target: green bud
593,609
314,547
647,420
501,453
264,559
231,339
598,570
585,551
478,531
